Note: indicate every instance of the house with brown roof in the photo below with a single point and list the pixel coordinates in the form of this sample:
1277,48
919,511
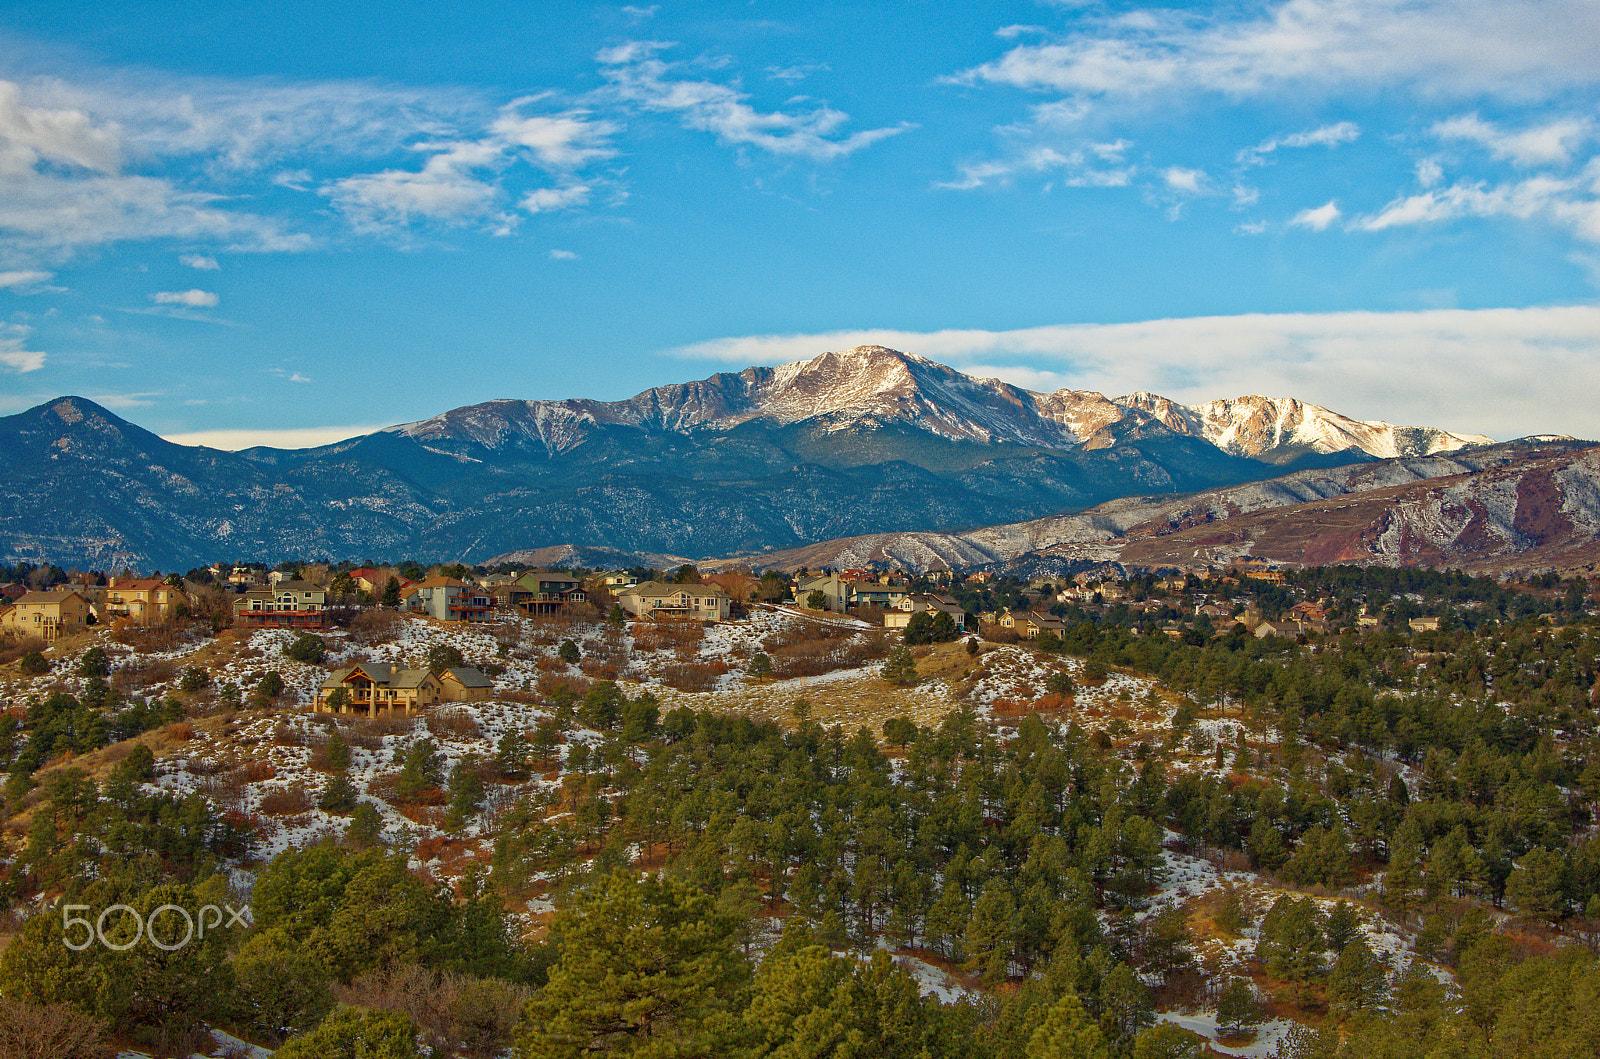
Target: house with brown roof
47,615
379,687
545,591
287,605
143,600
461,684
653,600
899,616
1031,624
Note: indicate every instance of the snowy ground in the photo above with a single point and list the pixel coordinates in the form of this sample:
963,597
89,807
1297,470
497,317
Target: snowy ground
1268,1035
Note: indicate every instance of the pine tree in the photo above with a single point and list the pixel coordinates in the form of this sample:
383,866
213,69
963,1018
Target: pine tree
1359,980
339,796
1236,1006
900,667
1067,1033
647,967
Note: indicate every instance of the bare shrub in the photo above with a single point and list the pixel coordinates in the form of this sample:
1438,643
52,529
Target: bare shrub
227,788
457,1014
376,626
286,801
456,723
544,630
149,639
692,676
142,674
548,685
50,1031
19,647
599,669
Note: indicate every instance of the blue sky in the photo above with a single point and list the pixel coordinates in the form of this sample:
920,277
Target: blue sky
287,222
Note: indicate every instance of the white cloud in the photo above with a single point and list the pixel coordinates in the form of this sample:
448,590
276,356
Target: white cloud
1317,219
1092,165
1429,172
193,299
201,262
557,141
1423,368
1322,136
288,376
1187,181
23,278
1569,203
791,74
137,156
292,438
640,14
1549,144
563,255
1517,49
543,200
458,183
638,76
121,401
14,354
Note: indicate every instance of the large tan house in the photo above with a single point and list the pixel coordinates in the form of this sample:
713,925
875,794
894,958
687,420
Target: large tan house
47,615
144,600
374,687
899,616
653,599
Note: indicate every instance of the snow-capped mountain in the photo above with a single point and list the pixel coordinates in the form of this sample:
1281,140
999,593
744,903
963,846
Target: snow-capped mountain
862,441
872,386
1259,427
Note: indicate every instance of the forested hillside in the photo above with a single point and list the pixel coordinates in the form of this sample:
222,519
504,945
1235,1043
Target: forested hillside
1108,842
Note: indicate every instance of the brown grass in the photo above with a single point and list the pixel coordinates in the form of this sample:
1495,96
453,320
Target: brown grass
286,801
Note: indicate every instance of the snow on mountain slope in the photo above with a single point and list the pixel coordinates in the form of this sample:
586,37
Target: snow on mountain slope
874,386
1257,427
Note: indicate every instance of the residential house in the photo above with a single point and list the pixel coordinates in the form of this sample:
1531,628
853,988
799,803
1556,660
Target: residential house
9,593
143,600
835,591
1031,624
542,591
1287,628
461,684
47,615
448,599
371,579
371,687
288,605
653,599
899,616
875,594
1424,624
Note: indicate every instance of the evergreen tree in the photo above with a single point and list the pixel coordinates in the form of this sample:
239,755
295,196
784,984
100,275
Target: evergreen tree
352,1034
1067,1033
647,967
900,667
1358,981
1236,1006
339,796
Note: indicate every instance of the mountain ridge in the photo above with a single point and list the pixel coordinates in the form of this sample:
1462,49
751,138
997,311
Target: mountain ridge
868,440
